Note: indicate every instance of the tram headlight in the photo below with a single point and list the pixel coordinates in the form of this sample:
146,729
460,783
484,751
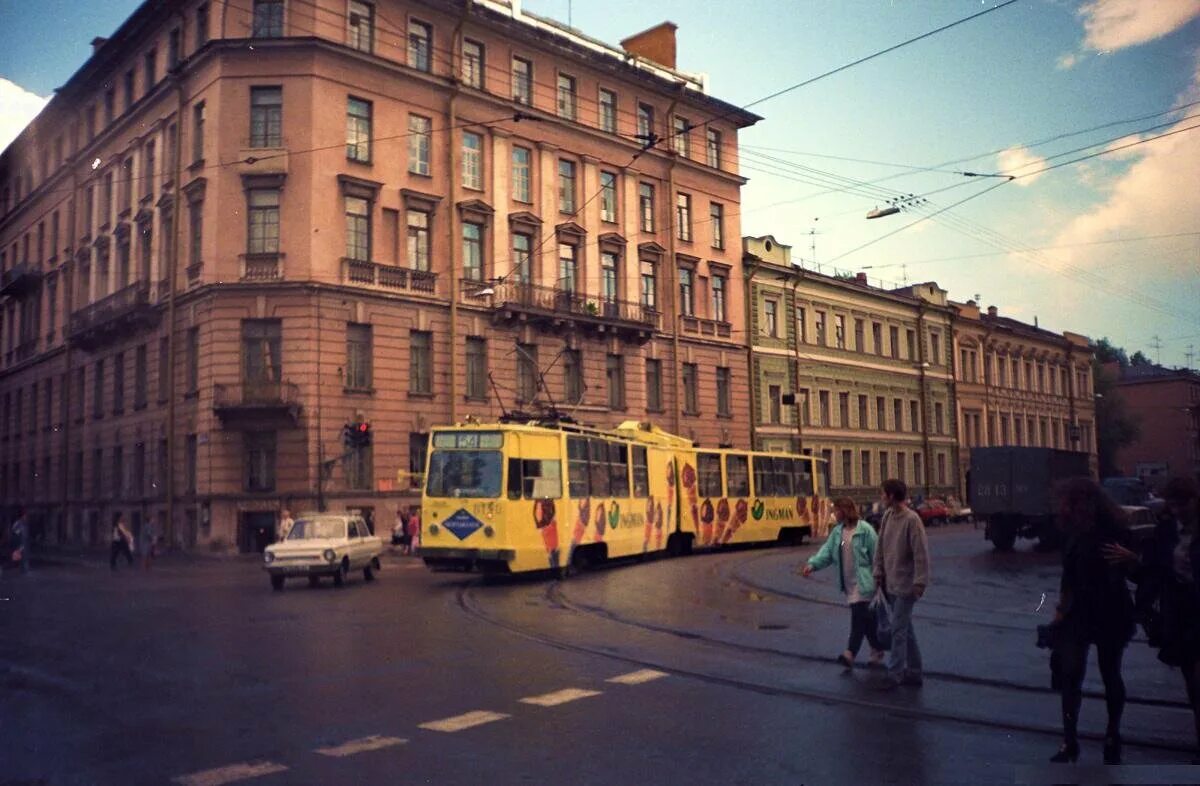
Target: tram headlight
433,529
489,531
329,555
268,557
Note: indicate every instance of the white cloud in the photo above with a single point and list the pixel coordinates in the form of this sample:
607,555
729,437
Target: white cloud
1117,24
1067,61
1018,161
17,107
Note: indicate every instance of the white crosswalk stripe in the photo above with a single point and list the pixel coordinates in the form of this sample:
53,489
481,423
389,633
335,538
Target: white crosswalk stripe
464,721
230,774
637,677
559,697
372,743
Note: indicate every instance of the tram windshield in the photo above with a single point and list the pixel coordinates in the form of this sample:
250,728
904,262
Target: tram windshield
464,473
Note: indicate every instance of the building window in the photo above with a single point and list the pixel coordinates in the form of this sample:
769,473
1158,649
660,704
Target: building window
520,174
419,132
164,391
472,160
653,385
141,375
877,337
608,111
418,239
118,472
361,23
127,93
863,421
97,393
568,268
821,328
615,374
844,410
935,349
420,44
724,389
914,416
649,289
823,408
687,292
713,148
645,123
609,276
771,318
646,206
197,140
939,424
918,473
683,216
716,215
900,465
472,249
472,63
572,362
259,452
894,341
268,19
691,402
774,404
418,445
911,339
477,369
566,96
358,228
201,25
839,331
681,136
261,361
880,413
420,362
150,67
195,239
801,324
264,221
566,186
266,117
884,473
608,197
521,243
358,130
898,414
717,283
358,356
527,372
522,81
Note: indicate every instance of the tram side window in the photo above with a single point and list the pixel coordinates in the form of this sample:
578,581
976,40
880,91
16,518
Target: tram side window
599,466
737,474
803,475
823,478
710,474
764,476
784,469
641,473
577,466
618,465
534,478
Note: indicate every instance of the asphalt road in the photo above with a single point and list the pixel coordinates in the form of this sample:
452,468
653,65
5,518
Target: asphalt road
710,669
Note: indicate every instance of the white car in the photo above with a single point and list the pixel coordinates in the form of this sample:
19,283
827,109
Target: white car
324,544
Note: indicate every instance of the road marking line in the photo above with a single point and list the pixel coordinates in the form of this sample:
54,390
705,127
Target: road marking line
372,743
464,721
230,774
638,677
559,697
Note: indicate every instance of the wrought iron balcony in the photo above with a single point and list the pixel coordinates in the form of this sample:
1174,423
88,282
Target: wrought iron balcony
125,311
362,272
20,280
552,307
257,404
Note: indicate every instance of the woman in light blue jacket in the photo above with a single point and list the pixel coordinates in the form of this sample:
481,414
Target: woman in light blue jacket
851,548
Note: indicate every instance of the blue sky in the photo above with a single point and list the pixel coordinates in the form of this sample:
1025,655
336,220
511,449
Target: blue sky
1106,247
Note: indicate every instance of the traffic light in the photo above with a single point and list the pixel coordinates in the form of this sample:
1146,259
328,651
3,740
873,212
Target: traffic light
356,435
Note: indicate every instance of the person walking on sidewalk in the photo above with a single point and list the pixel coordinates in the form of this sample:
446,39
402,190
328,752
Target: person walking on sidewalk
20,540
121,538
901,570
851,548
1094,607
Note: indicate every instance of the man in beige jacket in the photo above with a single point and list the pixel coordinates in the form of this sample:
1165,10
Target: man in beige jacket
902,571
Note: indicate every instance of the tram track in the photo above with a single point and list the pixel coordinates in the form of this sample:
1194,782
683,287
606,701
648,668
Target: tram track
551,593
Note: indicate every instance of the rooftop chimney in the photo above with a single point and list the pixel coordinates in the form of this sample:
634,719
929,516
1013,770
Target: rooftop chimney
98,42
992,311
860,278
656,44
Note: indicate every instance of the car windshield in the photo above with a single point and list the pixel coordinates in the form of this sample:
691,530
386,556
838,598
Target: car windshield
464,473
323,529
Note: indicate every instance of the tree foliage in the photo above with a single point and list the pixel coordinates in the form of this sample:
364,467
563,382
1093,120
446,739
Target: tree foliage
1116,428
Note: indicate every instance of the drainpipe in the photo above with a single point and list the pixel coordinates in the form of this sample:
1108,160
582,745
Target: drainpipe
673,281
176,223
799,273
956,445
452,210
748,274
921,366
68,308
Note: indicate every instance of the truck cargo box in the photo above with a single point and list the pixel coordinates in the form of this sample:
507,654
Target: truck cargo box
1019,480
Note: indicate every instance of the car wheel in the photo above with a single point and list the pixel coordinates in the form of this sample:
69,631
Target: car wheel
277,582
339,578
369,571
314,581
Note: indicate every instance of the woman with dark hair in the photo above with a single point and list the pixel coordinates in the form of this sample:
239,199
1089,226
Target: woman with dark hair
851,547
1169,573
1094,607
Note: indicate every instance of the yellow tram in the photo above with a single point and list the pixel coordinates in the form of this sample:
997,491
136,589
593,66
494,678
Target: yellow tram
533,495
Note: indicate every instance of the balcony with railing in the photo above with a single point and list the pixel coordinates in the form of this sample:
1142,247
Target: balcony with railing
552,308
363,273
20,280
257,404
705,327
126,311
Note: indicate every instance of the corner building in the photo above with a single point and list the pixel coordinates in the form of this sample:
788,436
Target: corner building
240,226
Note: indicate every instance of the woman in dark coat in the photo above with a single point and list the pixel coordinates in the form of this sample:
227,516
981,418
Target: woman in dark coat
1094,608
1169,574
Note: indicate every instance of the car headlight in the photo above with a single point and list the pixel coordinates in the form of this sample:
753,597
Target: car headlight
329,555
268,557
